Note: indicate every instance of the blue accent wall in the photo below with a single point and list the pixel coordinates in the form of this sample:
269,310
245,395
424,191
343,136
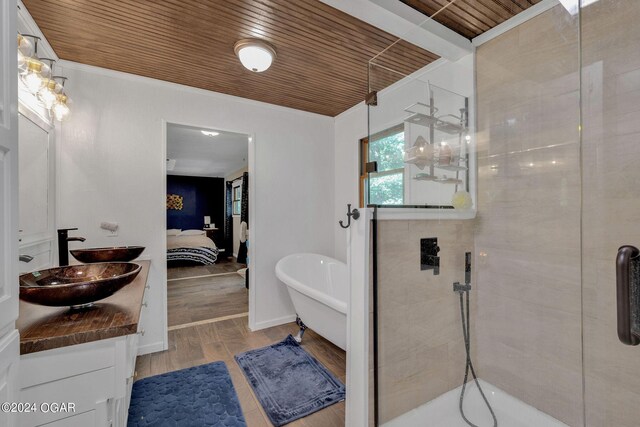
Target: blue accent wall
201,196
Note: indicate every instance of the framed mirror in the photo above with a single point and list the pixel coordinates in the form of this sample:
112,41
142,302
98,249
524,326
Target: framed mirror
37,178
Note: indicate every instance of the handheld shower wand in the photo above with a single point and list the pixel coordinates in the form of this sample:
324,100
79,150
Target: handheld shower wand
463,291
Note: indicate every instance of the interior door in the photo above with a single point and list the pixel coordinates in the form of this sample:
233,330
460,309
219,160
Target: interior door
9,339
611,210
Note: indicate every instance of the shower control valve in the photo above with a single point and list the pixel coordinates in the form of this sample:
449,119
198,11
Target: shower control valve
429,259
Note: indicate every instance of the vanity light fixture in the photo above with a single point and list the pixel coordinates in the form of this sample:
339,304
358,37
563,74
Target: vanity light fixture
36,75
255,55
210,133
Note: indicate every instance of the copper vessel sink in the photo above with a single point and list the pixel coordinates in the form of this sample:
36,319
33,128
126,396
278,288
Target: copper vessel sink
114,254
77,286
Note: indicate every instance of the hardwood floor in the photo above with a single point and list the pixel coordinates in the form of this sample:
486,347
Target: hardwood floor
208,297
223,265
221,340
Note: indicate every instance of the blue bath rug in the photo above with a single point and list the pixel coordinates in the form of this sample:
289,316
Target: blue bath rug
198,396
288,382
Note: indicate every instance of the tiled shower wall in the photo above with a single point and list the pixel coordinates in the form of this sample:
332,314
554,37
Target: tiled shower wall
527,298
421,351
527,240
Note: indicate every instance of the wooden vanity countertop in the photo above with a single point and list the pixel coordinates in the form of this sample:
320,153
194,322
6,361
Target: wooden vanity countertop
45,328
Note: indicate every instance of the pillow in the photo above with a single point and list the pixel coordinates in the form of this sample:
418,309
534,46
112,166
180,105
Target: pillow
192,233
173,232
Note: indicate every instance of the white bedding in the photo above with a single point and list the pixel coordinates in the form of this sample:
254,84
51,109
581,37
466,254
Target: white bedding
181,241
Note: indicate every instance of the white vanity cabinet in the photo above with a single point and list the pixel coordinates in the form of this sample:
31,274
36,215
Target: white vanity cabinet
86,359
95,378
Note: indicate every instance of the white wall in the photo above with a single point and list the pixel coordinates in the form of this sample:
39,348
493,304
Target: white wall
351,126
111,167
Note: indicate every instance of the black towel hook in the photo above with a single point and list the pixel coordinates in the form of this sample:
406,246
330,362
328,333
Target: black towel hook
350,213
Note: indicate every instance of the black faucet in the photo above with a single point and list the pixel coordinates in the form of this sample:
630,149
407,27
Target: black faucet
63,245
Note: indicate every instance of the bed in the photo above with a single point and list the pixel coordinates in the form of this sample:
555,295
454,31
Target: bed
191,248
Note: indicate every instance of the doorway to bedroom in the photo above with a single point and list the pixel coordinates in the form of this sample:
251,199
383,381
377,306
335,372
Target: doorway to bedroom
207,225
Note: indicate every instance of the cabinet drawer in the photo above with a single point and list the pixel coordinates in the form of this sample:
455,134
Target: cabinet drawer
51,365
88,392
85,419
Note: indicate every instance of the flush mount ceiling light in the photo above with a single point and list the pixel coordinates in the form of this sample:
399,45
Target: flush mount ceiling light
255,55
209,133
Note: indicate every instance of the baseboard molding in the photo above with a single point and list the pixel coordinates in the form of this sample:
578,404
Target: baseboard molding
175,279
208,321
151,348
274,322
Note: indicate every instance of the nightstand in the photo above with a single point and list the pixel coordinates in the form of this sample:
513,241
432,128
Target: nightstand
212,233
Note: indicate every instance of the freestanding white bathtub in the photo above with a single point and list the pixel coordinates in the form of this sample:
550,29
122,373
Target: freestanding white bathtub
318,286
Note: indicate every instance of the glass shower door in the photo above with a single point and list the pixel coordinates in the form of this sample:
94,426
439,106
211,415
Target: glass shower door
521,227
611,202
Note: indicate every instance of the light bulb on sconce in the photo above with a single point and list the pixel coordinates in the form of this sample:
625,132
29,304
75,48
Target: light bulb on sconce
25,51
34,71
49,93
60,108
32,79
50,89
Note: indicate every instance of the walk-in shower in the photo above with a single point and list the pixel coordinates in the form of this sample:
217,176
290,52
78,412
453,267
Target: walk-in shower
516,148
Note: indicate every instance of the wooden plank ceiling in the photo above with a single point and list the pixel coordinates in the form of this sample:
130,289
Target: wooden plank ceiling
471,18
322,53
